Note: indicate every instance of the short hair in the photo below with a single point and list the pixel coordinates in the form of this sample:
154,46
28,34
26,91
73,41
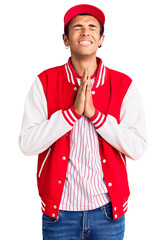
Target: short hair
67,26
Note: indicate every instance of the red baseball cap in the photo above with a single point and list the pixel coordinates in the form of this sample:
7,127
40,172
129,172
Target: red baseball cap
84,8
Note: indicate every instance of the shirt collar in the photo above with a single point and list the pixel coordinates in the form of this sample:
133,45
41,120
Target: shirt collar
99,74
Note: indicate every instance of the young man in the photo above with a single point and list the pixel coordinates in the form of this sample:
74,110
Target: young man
83,119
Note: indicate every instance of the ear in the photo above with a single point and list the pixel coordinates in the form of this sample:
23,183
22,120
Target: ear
101,39
65,39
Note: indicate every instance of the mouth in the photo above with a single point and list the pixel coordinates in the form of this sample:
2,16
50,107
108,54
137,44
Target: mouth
85,43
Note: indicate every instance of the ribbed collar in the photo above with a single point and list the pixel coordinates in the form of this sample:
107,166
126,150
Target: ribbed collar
99,74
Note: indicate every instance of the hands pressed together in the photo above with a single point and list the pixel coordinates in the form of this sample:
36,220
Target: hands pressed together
83,103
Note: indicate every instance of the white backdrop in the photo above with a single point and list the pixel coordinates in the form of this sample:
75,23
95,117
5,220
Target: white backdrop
31,41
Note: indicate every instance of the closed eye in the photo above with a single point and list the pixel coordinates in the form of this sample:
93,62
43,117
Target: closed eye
92,26
77,26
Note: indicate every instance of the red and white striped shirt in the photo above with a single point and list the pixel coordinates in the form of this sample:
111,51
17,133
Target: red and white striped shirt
84,188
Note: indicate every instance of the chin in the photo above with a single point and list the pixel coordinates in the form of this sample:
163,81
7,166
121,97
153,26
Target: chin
86,53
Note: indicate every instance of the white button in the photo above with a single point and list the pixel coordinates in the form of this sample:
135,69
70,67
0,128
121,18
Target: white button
109,184
59,182
114,208
75,88
104,160
53,214
93,92
116,215
64,158
55,206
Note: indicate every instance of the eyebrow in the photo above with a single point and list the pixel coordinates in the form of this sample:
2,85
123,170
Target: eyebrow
80,25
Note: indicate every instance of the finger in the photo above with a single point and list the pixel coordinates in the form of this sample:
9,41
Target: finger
84,82
84,85
89,86
88,74
89,79
84,77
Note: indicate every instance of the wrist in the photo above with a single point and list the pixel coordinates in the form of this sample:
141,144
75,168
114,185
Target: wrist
92,113
78,112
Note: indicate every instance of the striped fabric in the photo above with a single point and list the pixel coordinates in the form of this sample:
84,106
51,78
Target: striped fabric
98,119
100,75
71,116
84,187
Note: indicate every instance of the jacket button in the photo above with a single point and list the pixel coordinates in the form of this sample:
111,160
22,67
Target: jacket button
109,184
55,206
93,92
64,158
114,208
104,160
116,216
59,182
75,88
53,214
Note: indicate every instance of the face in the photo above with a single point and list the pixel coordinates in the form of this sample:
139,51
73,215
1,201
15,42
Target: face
84,36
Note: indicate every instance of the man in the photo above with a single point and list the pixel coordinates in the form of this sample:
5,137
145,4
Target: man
83,119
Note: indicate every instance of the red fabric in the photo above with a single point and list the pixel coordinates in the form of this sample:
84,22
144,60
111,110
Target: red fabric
69,118
60,95
84,8
98,119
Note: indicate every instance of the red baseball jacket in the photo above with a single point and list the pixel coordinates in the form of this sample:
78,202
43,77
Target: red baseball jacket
110,88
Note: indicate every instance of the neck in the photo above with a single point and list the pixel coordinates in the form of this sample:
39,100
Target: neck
79,64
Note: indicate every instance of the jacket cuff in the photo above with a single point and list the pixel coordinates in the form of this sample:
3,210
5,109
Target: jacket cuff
98,119
71,116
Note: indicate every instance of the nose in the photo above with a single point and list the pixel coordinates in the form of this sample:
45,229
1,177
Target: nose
84,32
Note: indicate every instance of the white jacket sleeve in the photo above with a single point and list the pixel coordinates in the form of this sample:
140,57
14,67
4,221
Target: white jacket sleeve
128,137
37,131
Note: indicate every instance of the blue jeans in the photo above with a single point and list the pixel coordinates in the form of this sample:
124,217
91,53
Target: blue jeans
96,224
